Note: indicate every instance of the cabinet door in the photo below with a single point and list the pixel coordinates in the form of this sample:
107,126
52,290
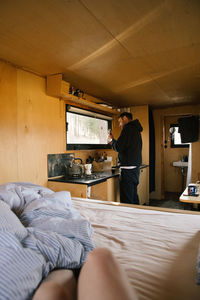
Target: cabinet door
142,187
113,189
76,190
107,191
99,191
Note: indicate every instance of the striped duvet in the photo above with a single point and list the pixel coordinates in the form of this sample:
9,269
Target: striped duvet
39,231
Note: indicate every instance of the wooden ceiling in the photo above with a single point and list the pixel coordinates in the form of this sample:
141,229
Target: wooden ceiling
127,52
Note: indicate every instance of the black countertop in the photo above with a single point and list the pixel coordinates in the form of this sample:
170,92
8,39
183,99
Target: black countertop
95,178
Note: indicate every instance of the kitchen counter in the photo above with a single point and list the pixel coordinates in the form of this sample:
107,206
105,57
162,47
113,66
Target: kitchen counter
90,180
101,185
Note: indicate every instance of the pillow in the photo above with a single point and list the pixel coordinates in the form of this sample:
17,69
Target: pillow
10,223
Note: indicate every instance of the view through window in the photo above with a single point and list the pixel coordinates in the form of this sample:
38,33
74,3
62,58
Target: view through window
83,129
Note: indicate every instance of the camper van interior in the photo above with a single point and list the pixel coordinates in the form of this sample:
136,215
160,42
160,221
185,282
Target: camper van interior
68,69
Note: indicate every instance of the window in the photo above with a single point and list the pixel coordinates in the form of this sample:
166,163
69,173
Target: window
86,129
175,137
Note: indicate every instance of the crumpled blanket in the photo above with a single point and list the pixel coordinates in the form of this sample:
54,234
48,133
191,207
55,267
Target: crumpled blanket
39,231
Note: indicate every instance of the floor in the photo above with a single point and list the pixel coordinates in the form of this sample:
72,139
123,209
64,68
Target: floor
171,201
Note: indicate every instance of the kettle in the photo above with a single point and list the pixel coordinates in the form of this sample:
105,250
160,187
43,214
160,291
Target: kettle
75,169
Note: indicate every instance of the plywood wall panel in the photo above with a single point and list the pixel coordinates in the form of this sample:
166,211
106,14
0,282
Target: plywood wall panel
196,161
31,126
40,127
8,119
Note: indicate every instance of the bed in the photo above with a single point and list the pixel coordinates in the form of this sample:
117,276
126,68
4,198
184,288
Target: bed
159,250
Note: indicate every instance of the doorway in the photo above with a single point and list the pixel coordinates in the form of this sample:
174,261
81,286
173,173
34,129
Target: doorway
174,178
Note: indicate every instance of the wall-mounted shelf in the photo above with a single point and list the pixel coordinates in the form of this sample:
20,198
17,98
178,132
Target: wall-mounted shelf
57,87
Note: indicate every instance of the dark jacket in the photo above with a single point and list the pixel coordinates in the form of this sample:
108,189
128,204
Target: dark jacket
129,144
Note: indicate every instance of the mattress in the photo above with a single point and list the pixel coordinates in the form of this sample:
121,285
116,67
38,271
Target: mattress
157,249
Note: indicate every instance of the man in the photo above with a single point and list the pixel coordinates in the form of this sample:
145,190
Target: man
129,147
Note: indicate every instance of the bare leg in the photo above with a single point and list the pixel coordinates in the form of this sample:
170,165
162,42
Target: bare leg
59,285
102,277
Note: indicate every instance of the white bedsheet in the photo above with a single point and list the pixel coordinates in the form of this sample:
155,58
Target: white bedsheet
157,249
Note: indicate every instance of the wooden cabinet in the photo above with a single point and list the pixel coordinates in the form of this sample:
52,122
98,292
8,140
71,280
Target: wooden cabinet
99,191
107,190
143,187
76,190
113,193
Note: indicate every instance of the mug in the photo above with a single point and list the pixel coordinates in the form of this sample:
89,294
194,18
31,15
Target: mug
88,169
192,190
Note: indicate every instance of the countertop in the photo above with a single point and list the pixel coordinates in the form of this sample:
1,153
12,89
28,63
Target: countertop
90,180
95,178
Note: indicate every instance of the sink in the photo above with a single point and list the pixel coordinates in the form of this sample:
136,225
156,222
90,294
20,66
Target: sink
180,164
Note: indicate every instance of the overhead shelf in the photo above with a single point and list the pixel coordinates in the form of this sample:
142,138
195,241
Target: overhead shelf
57,87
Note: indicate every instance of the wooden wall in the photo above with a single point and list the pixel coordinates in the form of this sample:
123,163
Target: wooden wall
8,123
159,116
31,126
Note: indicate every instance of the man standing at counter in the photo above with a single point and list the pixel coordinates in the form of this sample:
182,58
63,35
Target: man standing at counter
129,148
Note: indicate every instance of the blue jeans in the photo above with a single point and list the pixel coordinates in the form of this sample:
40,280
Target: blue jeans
129,180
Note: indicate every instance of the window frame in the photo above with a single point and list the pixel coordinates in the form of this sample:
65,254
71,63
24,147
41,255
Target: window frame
86,146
